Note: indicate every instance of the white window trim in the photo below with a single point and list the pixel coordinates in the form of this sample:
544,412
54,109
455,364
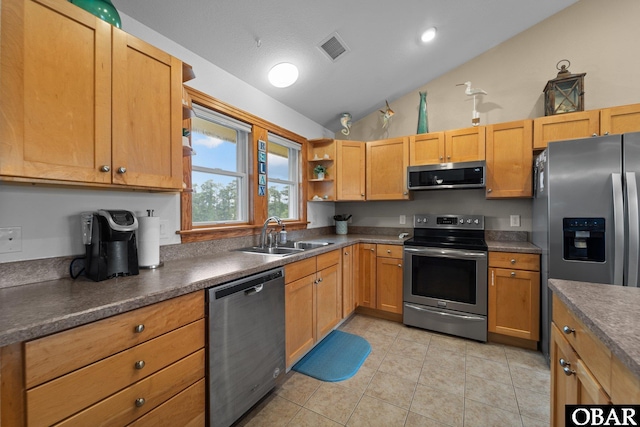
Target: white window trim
295,176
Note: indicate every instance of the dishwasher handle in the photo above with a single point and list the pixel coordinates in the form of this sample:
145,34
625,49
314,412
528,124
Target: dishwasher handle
253,290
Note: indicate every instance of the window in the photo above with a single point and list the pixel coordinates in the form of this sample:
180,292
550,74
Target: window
219,168
283,177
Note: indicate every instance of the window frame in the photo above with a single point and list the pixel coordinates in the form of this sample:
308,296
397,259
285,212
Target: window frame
295,175
258,205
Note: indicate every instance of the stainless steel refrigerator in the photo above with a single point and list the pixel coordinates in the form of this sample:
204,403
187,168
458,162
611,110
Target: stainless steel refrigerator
585,214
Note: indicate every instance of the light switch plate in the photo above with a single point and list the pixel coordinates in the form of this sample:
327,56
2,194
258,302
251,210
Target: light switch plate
403,219
10,239
515,220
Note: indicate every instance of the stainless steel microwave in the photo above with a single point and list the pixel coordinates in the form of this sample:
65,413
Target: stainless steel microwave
447,176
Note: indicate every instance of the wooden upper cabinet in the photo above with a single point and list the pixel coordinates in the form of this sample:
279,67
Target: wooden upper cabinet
509,159
625,118
55,97
465,145
80,110
147,114
350,174
426,149
565,126
387,162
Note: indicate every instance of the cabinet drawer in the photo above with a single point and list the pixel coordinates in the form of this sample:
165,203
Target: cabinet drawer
187,409
514,260
121,408
588,347
50,357
328,259
389,251
299,269
57,399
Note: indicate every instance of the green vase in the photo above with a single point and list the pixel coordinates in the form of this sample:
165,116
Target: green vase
103,9
423,124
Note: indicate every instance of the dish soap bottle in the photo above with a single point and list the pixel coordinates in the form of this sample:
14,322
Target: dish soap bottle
283,236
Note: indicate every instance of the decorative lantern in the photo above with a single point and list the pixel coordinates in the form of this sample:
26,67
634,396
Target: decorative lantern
565,93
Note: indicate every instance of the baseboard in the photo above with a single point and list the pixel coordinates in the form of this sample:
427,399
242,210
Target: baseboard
512,341
394,317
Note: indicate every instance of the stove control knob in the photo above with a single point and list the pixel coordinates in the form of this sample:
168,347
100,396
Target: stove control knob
469,221
419,220
476,221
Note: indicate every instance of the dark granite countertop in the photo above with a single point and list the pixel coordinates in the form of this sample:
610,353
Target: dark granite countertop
38,309
610,312
513,246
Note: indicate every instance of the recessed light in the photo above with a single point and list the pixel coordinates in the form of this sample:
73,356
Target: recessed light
283,75
428,35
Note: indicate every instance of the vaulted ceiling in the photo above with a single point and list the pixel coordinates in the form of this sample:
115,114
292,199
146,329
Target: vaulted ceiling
385,58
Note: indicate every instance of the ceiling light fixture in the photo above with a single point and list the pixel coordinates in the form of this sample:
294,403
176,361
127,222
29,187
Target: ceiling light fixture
283,75
428,35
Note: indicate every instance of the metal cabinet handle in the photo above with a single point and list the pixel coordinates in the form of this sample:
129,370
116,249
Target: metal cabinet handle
388,251
564,363
606,133
371,249
513,274
122,169
139,364
399,265
440,157
489,190
567,330
105,168
448,157
139,328
362,194
346,253
568,371
594,134
140,401
320,280
513,260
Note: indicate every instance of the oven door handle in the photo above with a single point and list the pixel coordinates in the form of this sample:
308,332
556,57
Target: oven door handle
442,313
446,253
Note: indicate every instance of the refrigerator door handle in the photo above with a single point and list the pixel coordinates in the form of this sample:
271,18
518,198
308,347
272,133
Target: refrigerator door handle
618,223
634,229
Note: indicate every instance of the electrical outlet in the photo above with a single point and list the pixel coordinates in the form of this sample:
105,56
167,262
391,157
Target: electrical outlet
10,239
515,220
403,219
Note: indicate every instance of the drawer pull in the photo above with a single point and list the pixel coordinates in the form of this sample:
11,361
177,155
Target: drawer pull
122,169
139,364
564,363
139,402
399,265
371,249
567,330
513,260
388,251
346,253
513,274
568,371
139,328
105,168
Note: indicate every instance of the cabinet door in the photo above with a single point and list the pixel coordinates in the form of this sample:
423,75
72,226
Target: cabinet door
564,126
328,300
509,159
350,179
625,118
389,285
387,162
300,317
55,92
465,145
564,388
514,303
147,114
348,290
426,149
365,275
590,392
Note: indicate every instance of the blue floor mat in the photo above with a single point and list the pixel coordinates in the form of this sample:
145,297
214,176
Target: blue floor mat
336,358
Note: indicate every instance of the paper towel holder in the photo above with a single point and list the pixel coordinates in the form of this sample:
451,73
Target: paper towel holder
160,263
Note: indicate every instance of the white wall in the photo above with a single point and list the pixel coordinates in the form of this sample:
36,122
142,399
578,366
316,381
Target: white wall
599,38
49,216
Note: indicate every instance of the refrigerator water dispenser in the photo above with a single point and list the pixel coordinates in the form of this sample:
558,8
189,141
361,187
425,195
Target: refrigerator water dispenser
584,239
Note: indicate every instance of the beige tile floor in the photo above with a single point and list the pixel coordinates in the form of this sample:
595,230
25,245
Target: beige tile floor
416,378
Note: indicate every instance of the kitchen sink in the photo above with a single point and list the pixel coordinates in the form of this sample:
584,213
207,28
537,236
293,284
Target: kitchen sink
308,244
279,251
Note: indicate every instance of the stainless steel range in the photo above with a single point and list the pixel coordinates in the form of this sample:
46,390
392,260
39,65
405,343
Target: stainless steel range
445,275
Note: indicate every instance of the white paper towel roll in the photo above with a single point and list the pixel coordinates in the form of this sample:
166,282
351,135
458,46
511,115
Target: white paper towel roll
148,241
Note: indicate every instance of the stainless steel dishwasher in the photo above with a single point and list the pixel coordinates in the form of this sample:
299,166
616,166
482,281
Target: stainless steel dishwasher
246,343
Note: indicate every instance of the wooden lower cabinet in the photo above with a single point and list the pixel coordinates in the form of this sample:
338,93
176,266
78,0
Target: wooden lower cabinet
348,288
313,302
378,277
185,409
110,372
365,275
514,295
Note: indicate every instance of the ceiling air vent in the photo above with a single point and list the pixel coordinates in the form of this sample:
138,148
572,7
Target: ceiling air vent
333,46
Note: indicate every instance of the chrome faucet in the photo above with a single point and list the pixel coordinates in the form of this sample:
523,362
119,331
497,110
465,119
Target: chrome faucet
263,233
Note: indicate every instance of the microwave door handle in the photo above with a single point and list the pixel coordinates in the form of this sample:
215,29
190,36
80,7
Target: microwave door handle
618,224
634,229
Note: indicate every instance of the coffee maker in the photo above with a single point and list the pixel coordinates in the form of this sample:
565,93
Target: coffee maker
110,242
